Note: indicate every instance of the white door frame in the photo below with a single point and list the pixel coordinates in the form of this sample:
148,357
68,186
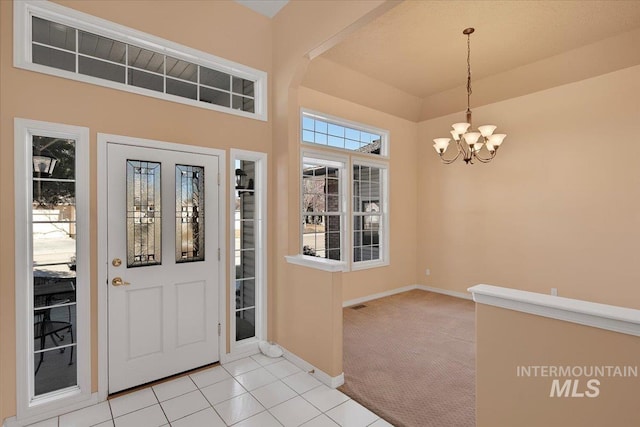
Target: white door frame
103,337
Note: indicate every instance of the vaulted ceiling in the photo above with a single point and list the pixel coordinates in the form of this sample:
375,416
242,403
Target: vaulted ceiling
417,49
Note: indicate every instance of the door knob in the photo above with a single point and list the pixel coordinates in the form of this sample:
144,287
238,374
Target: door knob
117,281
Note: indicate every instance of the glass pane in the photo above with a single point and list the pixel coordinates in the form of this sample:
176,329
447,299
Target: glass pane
101,47
245,324
245,293
146,59
53,217
144,206
189,213
55,327
182,69
146,80
340,136
243,103
242,86
53,58
101,69
55,369
245,264
215,97
53,34
215,78
183,89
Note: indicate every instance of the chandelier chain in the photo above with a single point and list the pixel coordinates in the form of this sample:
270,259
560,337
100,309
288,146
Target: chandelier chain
469,72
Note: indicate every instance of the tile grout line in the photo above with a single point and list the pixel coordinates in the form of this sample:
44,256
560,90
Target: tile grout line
159,404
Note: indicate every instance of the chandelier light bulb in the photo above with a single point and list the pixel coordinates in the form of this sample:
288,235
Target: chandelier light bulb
471,137
487,130
461,128
441,144
496,139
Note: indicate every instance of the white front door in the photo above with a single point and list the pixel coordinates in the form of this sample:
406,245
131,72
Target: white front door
163,263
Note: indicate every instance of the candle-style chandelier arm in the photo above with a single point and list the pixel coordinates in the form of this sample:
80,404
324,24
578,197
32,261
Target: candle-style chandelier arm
460,150
485,160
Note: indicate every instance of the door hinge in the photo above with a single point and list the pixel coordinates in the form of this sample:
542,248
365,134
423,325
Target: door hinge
218,254
218,179
219,329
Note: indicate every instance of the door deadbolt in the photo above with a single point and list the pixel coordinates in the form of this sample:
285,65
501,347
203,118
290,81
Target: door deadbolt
117,281
117,262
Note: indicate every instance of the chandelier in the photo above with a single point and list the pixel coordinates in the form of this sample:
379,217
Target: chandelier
482,145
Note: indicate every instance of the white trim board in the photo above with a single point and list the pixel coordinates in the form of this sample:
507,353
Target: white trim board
28,405
603,316
395,291
323,377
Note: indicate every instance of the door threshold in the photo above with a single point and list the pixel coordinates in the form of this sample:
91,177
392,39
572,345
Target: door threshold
162,380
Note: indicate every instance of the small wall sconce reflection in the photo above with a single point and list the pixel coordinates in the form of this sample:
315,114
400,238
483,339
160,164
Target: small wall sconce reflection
242,183
43,164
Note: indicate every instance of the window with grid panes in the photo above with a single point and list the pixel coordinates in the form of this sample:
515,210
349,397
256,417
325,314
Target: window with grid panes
322,213
68,43
322,210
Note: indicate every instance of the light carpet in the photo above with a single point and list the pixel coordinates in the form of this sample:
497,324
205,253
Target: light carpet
410,358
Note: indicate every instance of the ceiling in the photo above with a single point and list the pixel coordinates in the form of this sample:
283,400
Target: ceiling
418,46
268,8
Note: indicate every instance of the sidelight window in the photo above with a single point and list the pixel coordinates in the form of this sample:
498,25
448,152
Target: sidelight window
52,265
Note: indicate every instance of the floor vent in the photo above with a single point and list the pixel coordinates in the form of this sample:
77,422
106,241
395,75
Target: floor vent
358,307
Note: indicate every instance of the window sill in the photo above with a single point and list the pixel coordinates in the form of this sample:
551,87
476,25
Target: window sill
366,265
323,264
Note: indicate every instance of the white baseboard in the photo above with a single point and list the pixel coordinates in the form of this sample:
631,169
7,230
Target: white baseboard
372,297
323,377
378,295
237,355
13,422
464,295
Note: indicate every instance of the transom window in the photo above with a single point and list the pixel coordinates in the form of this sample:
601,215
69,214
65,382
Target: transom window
344,197
336,133
81,47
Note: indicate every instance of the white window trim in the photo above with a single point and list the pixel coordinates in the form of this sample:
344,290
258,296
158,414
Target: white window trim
24,10
340,162
384,150
31,408
346,159
239,349
384,241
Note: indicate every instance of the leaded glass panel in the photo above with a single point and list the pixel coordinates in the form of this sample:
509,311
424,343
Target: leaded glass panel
144,213
189,213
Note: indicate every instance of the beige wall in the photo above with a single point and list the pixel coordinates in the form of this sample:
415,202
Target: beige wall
556,208
311,324
205,25
508,339
298,29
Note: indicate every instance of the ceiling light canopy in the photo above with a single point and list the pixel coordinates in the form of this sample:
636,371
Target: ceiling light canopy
481,145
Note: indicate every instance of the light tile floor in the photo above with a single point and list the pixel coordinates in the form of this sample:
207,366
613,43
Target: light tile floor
253,392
